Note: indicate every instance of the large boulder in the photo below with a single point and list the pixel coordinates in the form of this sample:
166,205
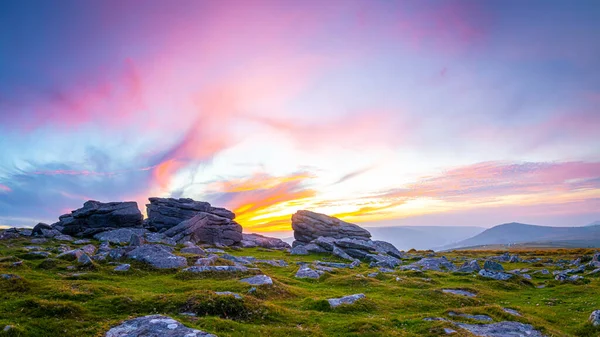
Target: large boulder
165,213
154,326
309,225
95,217
207,228
257,240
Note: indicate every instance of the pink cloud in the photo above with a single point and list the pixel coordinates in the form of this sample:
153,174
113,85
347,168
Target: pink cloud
5,188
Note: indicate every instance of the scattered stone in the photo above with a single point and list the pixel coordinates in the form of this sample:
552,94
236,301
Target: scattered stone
350,299
511,311
501,329
95,217
374,274
71,255
64,237
437,264
89,249
309,225
154,326
595,318
459,292
495,275
490,265
204,269
123,267
482,318
449,331
258,280
207,261
469,267
229,293
191,248
381,260
595,271
214,251
41,229
341,254
16,264
257,240
85,260
158,256
10,277
207,228
39,241
81,242
306,272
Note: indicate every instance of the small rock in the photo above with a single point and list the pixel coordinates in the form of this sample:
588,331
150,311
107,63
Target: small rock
215,251
64,237
122,267
495,275
71,255
85,260
258,280
482,318
512,311
204,269
595,318
81,242
207,261
299,250
350,299
306,272
229,293
493,266
154,326
501,329
449,331
459,292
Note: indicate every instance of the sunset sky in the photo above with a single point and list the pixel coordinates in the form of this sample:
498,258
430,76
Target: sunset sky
379,112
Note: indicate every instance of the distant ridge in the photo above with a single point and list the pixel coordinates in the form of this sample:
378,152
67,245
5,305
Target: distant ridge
514,232
595,223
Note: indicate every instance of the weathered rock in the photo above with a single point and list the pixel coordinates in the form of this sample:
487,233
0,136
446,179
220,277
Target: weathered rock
123,267
482,318
495,275
89,249
501,329
299,250
39,241
309,225
119,236
511,311
8,234
154,326
10,277
207,228
327,243
492,266
40,228
190,248
229,293
207,261
258,280
71,255
204,269
459,292
85,260
165,213
350,299
95,217
469,267
257,240
431,263
157,256
595,318
137,240
388,248
306,272
381,260
337,251
64,237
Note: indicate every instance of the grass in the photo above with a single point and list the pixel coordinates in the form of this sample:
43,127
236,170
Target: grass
50,301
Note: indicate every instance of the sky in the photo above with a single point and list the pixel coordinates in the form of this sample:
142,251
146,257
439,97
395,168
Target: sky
381,113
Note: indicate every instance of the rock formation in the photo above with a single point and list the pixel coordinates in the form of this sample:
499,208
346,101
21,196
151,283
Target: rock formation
309,225
95,217
257,240
165,213
207,228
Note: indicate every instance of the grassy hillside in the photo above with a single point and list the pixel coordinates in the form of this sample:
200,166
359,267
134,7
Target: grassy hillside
53,300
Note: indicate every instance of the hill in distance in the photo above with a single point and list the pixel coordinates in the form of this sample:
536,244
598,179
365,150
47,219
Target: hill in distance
595,223
524,234
423,237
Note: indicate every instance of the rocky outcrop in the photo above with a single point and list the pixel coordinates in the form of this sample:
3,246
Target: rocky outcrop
258,280
257,240
501,329
95,217
165,213
309,226
207,228
154,326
